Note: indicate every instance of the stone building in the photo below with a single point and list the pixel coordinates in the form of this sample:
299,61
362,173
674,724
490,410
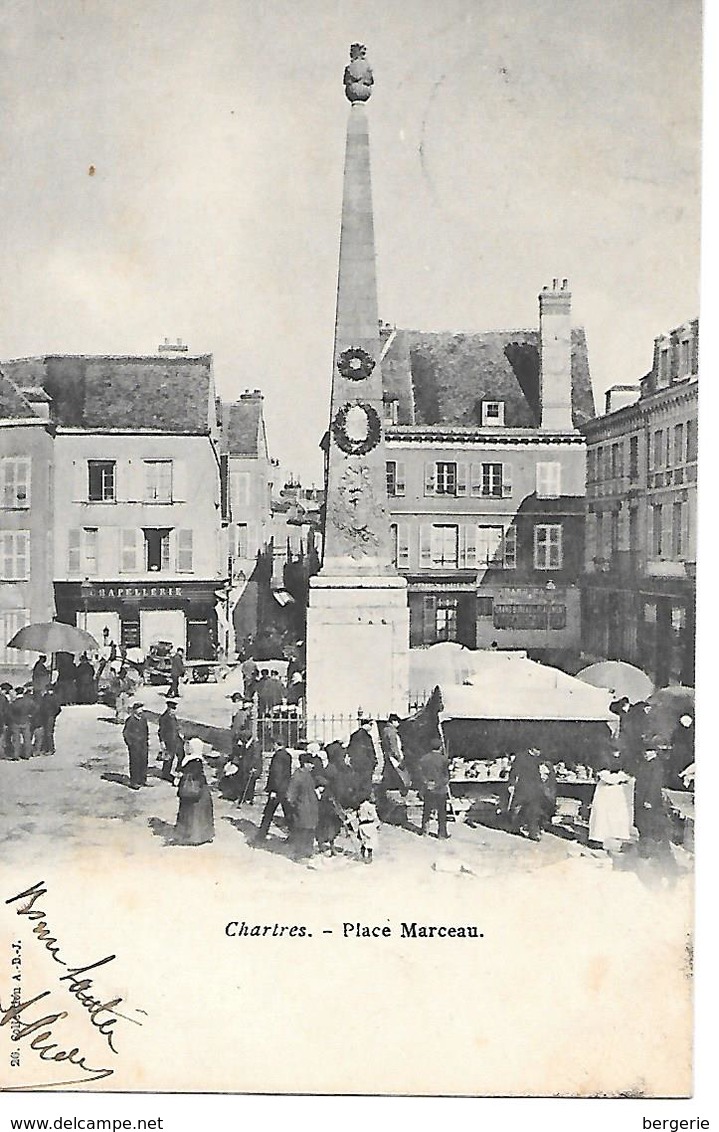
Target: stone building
251,474
26,530
638,590
486,479
140,509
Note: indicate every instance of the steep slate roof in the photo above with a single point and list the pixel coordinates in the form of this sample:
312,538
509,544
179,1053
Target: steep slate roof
13,404
242,421
101,392
448,375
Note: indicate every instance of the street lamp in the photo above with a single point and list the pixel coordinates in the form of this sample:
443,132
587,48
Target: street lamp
85,591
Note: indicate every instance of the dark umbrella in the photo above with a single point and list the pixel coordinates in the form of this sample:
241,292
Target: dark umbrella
52,637
666,707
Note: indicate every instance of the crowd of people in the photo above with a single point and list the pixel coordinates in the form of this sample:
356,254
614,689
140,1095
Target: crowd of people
28,713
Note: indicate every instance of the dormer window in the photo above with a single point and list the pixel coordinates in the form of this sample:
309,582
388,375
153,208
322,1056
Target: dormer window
492,414
685,358
391,412
664,366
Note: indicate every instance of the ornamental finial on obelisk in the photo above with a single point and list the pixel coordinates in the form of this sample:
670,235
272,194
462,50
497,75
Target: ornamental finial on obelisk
358,77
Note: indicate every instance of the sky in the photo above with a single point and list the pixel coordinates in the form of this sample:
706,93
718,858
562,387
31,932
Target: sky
513,141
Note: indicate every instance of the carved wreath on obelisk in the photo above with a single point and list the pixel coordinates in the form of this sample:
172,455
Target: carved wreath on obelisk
353,509
355,364
357,428
358,77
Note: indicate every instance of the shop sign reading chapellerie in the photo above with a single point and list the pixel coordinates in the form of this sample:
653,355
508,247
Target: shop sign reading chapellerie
133,591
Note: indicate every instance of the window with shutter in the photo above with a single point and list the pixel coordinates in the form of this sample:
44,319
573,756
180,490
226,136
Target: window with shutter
14,556
444,544
446,478
15,482
158,481
548,481
184,552
488,543
101,481
395,478
429,479
10,623
548,546
510,548
506,480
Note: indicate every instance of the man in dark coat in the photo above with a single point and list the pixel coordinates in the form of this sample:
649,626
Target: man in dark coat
302,799
434,778
241,725
40,676
48,708
249,761
5,694
22,720
137,739
394,773
529,800
177,671
86,688
650,812
171,741
278,779
361,755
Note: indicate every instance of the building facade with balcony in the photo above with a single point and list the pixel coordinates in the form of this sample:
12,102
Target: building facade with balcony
486,480
639,589
139,512
26,529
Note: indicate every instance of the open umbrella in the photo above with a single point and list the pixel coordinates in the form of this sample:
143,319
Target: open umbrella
666,707
620,678
52,636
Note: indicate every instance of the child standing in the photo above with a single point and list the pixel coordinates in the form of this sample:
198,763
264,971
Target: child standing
368,829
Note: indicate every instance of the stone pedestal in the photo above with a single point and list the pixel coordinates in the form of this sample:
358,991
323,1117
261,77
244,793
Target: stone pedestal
357,645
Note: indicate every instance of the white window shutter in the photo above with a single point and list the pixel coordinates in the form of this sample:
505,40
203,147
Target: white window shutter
403,545
129,550
557,482
468,546
425,544
179,481
73,551
430,478
506,479
108,552
462,477
510,549
184,552
475,479
80,486
400,478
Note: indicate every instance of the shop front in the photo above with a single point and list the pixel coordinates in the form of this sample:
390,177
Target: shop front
139,614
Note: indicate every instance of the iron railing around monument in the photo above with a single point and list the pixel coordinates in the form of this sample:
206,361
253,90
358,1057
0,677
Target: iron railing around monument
288,726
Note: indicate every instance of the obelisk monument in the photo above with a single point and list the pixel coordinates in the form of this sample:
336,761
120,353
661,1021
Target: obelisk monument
357,618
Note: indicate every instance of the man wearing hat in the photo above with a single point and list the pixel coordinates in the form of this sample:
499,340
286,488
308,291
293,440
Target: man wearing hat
361,754
528,797
171,742
137,739
6,692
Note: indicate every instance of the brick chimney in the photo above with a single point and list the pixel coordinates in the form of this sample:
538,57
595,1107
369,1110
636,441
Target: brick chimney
555,333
